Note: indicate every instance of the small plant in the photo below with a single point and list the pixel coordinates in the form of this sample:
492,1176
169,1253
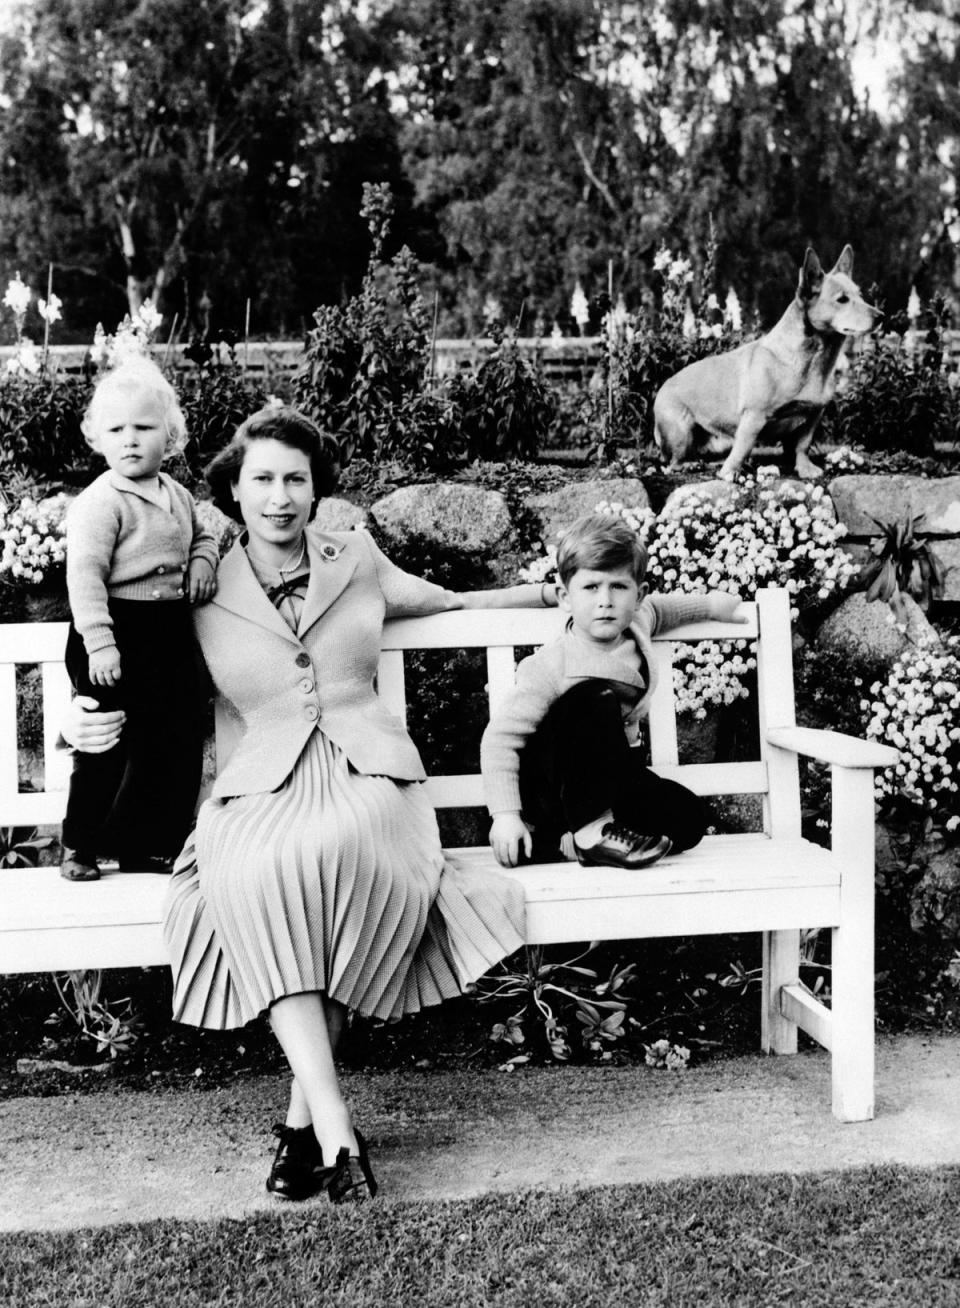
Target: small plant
903,564
550,994
663,1054
111,1026
505,408
21,847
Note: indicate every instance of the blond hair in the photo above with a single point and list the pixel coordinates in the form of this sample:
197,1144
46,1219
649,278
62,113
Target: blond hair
138,374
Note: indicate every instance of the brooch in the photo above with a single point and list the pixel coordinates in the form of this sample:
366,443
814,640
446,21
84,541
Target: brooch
330,552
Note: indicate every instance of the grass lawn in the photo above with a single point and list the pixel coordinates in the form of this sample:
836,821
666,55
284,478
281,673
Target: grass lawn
876,1236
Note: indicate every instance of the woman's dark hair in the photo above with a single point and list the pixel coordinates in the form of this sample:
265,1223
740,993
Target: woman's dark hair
278,422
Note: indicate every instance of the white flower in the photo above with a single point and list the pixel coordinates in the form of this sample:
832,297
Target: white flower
26,360
18,296
579,309
662,260
731,310
49,310
148,317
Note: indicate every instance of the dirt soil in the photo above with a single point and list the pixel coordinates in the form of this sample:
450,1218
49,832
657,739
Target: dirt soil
122,1155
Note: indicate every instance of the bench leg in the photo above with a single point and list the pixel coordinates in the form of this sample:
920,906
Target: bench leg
852,961
781,967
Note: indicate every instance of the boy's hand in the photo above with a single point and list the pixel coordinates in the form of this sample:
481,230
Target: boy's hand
729,608
104,666
201,582
508,832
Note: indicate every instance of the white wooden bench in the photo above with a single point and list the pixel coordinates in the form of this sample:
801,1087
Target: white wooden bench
772,881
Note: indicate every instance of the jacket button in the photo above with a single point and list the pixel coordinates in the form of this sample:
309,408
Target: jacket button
303,659
155,594
311,712
306,685
161,569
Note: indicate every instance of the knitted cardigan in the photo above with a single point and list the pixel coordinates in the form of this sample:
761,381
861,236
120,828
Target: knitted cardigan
122,545
561,664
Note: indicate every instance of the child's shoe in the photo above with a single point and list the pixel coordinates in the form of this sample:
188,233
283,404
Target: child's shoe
619,846
78,866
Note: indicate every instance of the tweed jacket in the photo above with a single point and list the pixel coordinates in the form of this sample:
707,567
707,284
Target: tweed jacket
278,686
561,664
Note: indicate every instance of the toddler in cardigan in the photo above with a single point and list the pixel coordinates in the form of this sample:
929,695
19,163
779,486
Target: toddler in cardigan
137,558
558,755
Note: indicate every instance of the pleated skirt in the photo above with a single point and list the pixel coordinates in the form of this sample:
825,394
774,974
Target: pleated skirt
336,883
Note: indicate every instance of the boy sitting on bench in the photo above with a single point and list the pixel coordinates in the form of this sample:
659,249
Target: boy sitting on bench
560,754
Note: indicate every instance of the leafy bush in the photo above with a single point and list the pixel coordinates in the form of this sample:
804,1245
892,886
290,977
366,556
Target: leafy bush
505,408
215,398
40,432
899,397
365,363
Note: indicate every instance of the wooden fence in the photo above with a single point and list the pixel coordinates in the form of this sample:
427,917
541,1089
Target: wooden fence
571,359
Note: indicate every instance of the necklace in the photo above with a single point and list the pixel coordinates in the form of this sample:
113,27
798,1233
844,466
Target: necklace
285,567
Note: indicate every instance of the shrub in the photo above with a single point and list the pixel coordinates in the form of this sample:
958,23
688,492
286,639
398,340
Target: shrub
505,408
899,398
365,363
917,710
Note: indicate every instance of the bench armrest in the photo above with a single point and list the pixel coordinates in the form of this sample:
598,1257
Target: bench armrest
833,747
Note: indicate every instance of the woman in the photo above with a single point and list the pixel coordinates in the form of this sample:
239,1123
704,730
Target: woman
315,882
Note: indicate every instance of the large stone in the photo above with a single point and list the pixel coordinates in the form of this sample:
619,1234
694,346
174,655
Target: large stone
948,552
335,514
559,508
869,634
858,500
935,899
446,516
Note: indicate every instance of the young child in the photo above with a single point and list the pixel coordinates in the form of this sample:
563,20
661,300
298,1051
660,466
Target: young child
137,558
557,755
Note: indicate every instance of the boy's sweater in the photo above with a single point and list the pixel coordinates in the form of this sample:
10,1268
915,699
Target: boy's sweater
121,544
561,664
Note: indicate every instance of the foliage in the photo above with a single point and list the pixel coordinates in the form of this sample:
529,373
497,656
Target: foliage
40,425
553,995
642,350
110,1025
504,408
215,396
917,710
21,846
900,395
365,362
902,565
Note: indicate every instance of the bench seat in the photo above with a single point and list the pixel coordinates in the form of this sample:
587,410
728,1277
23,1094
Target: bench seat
727,884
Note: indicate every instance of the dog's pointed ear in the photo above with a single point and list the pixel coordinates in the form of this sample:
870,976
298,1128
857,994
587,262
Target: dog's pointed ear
811,275
845,263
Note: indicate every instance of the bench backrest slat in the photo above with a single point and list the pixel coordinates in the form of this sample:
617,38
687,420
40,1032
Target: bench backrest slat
501,632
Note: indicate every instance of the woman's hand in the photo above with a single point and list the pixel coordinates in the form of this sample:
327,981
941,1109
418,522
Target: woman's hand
508,833
90,730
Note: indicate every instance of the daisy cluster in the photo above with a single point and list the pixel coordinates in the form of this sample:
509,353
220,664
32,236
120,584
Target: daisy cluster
917,710
32,541
758,535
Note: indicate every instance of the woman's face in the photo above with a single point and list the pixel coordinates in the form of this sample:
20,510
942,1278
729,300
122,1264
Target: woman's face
274,490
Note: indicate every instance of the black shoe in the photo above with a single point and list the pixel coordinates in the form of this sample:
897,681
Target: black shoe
297,1171
78,866
619,846
351,1179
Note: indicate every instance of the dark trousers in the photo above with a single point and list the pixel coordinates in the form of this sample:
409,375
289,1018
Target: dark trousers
578,765
139,797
